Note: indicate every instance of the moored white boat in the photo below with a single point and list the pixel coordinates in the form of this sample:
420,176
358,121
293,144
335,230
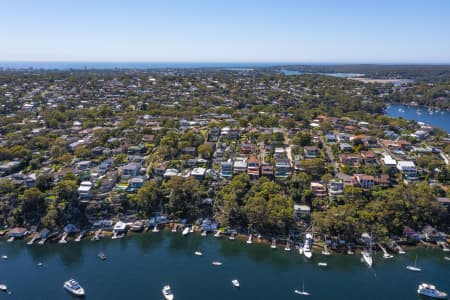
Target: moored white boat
274,244
307,247
249,240
302,292
235,283
217,234
186,231
73,287
167,292
198,253
322,264
414,268
430,291
367,257
217,263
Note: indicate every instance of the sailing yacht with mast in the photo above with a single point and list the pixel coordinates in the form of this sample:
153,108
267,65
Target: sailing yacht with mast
302,292
414,268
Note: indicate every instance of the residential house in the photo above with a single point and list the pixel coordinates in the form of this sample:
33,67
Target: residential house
311,151
135,183
240,165
187,150
247,148
335,188
350,159
267,171
226,169
368,157
85,190
318,189
198,173
253,167
364,181
330,138
346,147
388,161
282,167
130,170
301,211
408,169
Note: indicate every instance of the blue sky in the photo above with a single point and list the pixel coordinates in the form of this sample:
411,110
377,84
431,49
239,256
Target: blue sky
226,30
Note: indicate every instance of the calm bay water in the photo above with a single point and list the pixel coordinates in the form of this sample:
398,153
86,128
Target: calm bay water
138,266
438,119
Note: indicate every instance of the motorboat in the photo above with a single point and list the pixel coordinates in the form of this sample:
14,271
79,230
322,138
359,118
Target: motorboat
167,292
367,257
4,257
322,264
307,251
302,292
155,228
232,237
430,291
388,256
217,263
217,234
3,287
101,255
235,283
402,252
73,287
186,231
40,264
198,253
249,240
446,258
203,233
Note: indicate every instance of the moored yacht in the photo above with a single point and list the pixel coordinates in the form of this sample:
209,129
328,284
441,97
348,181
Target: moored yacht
430,290
249,241
167,292
307,247
235,283
186,231
73,287
367,257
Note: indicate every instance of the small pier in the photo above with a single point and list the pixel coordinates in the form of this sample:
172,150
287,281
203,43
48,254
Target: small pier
97,235
33,239
63,239
79,237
